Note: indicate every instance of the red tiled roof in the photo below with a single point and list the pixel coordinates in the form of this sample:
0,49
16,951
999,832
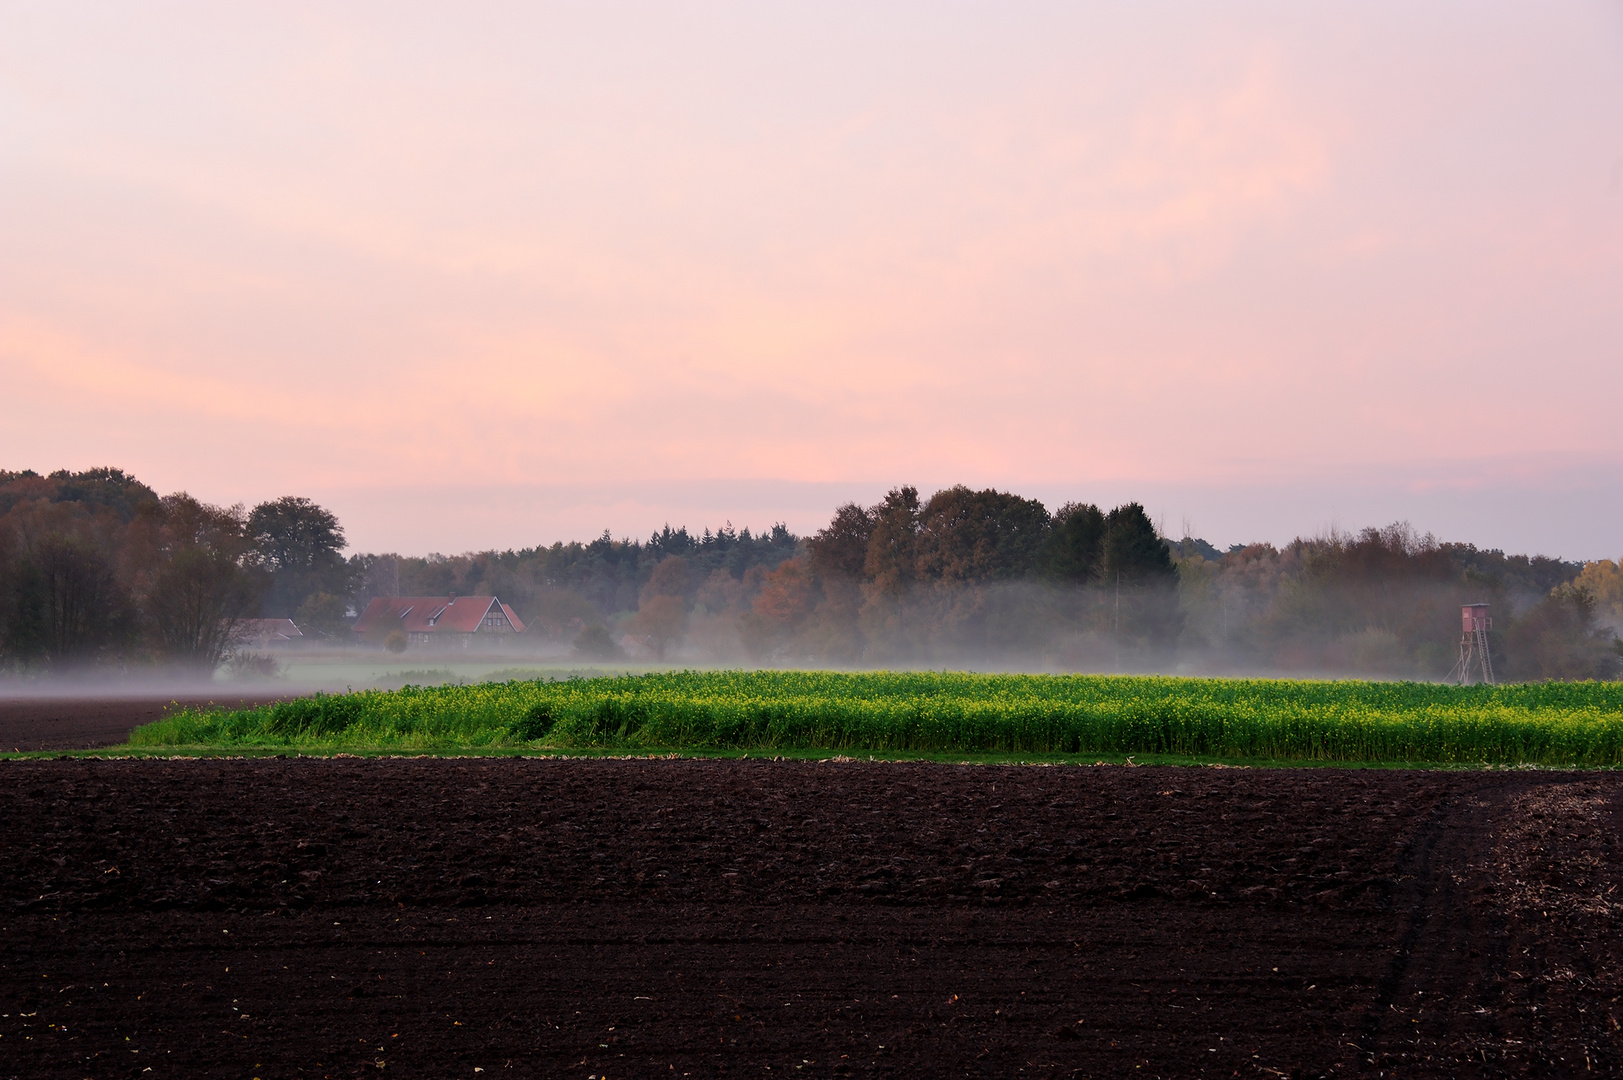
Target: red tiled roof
431,614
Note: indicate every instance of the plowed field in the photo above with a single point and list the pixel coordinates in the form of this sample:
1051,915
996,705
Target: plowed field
702,918
85,723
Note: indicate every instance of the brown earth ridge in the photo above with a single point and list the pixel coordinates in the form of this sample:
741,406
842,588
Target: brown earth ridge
621,918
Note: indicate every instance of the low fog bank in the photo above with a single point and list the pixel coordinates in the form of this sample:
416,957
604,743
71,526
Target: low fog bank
992,582
158,684
108,589
1252,613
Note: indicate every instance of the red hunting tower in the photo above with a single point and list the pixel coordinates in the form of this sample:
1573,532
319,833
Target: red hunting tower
1475,622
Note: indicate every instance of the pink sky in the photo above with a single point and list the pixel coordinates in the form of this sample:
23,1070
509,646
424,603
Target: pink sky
498,275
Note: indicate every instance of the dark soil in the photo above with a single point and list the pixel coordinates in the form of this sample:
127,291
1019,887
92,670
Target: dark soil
85,723
701,918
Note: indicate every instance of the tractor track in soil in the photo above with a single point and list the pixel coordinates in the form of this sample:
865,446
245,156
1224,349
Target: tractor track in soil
677,918
1448,946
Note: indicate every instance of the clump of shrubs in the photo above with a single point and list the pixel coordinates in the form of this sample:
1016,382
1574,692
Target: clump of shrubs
595,643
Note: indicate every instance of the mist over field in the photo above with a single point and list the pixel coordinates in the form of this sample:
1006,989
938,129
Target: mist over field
108,586
990,581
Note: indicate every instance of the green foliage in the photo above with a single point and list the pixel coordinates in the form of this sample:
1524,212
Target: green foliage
1546,723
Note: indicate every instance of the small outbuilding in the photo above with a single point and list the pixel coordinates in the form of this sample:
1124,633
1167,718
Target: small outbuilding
269,633
637,646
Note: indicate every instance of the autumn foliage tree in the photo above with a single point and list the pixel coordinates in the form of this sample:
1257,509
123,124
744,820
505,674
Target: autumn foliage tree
1604,580
663,612
788,598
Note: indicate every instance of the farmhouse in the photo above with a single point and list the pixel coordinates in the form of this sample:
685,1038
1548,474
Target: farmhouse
444,621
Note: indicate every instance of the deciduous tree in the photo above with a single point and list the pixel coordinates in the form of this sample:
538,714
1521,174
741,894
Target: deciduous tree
892,559
787,599
841,549
975,536
298,544
1559,638
202,589
83,606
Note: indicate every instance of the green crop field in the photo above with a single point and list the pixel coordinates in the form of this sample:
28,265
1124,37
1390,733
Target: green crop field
932,713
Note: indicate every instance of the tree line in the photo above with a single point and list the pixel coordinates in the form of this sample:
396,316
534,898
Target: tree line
97,568
1385,602
967,576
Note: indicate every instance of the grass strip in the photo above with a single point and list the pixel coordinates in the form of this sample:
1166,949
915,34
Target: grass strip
942,713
